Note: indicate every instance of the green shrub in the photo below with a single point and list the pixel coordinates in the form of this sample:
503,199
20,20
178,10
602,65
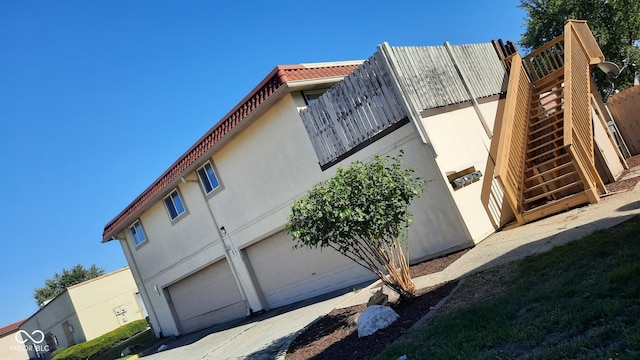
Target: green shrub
92,348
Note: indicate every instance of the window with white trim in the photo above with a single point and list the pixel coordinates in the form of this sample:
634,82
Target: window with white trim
174,204
137,233
311,96
208,178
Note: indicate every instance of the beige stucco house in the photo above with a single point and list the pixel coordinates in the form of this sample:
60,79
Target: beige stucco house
12,343
205,241
83,312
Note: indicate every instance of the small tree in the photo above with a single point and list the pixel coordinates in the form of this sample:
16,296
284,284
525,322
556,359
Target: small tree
362,214
60,282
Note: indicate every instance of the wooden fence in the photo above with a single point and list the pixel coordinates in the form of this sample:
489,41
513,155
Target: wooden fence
368,102
353,111
625,109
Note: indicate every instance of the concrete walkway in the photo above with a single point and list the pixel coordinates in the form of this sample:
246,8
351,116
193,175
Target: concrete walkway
267,336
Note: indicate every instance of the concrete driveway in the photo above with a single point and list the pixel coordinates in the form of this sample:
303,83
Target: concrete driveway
266,336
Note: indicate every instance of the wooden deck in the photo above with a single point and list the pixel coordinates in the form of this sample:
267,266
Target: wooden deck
546,153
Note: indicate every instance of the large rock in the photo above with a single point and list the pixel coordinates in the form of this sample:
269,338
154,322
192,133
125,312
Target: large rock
374,318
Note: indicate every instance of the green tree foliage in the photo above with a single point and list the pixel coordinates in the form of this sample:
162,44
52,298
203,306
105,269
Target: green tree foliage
60,282
614,23
362,214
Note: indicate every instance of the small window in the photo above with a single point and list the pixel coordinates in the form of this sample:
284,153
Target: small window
208,178
174,204
311,96
137,233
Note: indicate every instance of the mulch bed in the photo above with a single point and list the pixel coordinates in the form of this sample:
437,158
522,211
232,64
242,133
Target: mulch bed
335,336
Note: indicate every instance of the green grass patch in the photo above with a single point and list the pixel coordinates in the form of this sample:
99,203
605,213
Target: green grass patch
580,300
93,348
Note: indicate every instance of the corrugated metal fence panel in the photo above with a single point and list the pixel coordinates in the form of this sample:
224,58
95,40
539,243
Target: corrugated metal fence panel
431,80
429,76
482,68
353,111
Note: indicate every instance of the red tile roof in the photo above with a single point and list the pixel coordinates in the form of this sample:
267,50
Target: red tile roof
11,327
280,75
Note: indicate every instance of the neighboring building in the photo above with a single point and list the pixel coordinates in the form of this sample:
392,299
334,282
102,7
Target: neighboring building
205,241
85,311
11,343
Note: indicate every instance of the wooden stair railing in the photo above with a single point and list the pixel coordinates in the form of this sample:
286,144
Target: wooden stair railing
545,156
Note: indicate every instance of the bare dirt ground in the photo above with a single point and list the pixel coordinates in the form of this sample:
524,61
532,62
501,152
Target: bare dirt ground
335,336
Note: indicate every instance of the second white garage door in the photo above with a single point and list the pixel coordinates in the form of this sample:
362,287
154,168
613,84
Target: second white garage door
208,297
286,276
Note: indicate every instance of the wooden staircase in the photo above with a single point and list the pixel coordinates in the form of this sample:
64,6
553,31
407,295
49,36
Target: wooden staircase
545,156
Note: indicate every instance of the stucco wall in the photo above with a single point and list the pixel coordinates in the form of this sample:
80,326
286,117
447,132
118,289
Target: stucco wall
10,349
51,317
462,142
95,303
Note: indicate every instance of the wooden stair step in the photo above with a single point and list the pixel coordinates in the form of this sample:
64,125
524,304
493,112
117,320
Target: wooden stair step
551,182
536,120
552,192
558,123
547,137
537,156
548,172
560,158
548,106
547,143
554,206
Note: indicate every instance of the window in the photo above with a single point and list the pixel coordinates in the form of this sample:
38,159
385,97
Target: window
137,233
311,96
174,204
208,178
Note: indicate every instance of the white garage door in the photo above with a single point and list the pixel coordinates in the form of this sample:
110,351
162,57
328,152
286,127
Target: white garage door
206,298
286,275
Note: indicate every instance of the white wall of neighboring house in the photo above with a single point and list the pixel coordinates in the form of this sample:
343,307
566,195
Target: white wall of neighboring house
88,310
188,276
106,303
12,349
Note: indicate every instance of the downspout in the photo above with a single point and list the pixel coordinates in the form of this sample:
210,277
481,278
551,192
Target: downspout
226,251
142,288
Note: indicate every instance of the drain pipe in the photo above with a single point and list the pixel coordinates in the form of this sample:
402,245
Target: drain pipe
136,274
227,255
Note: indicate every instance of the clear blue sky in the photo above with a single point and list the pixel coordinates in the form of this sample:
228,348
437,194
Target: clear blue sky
98,98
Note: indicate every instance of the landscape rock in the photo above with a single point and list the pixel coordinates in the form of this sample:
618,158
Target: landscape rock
377,299
374,318
385,296
392,296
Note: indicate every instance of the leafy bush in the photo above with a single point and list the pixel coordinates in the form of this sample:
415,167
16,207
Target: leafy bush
362,214
92,348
